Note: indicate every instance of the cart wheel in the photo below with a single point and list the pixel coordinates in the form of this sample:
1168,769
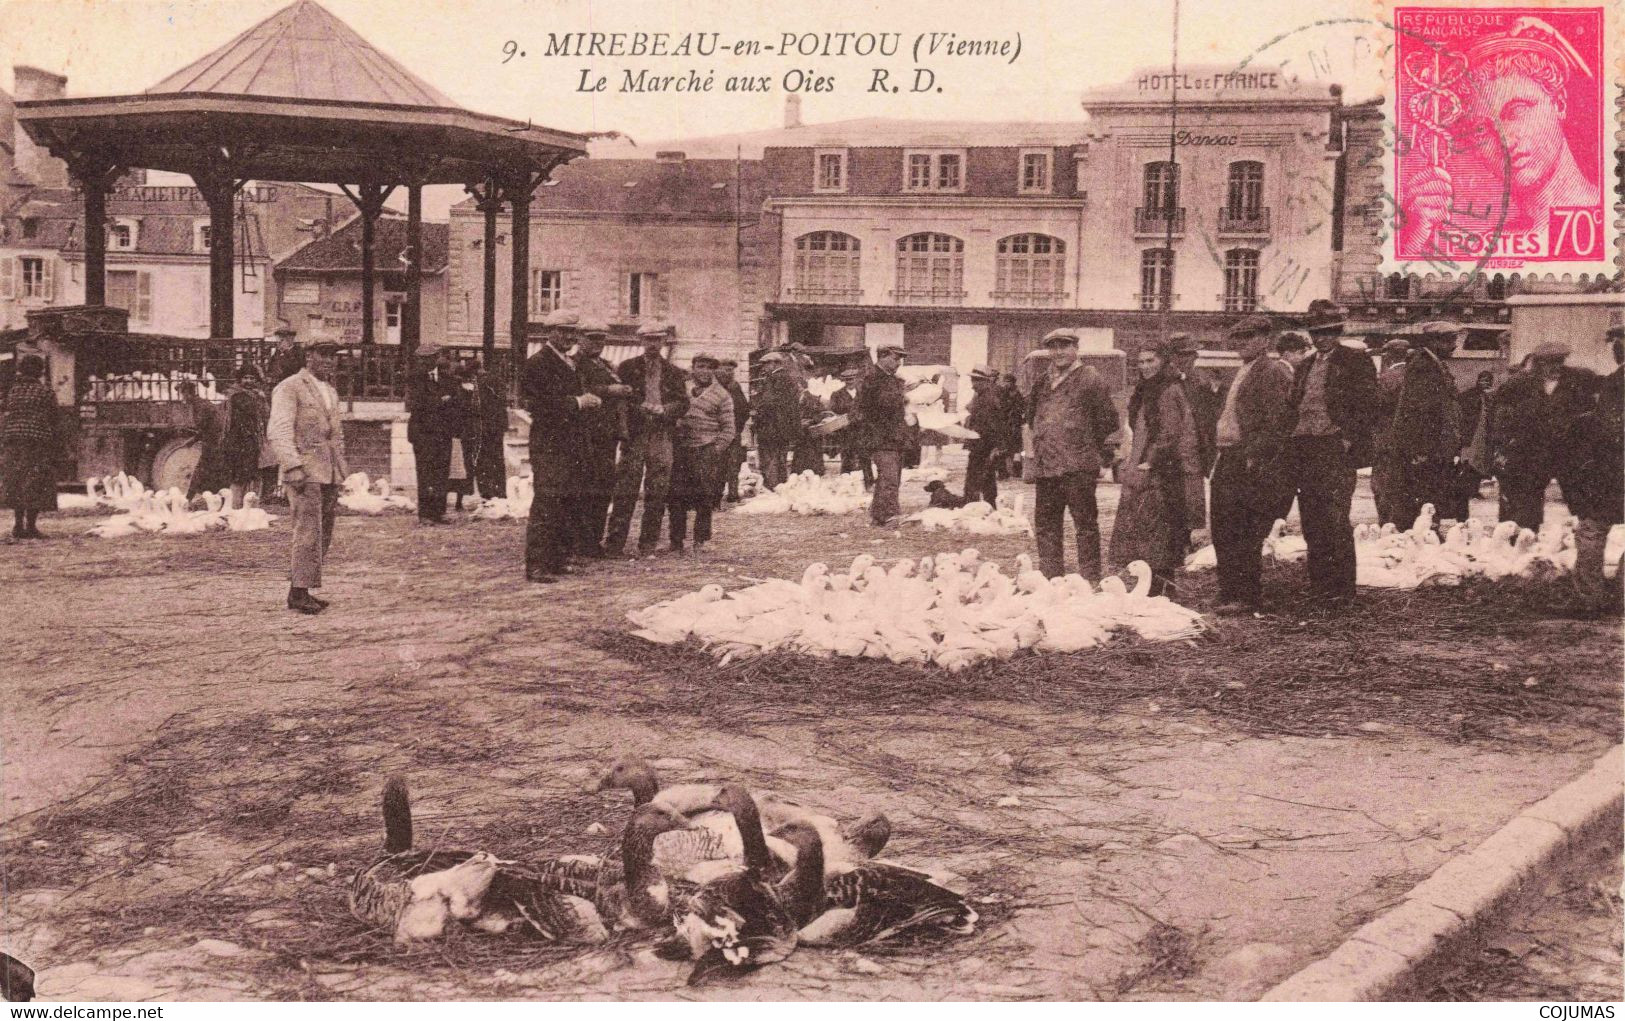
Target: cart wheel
173,465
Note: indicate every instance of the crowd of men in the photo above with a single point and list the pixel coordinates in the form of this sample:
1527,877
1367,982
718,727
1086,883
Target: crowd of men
1307,411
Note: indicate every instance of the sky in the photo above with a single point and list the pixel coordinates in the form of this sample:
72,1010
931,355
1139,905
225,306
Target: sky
111,47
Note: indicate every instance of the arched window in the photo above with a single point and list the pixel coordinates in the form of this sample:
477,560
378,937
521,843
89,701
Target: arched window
1156,280
930,269
1240,280
1031,270
826,267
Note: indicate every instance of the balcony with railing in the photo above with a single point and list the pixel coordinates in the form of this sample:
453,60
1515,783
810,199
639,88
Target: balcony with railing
825,295
1030,299
1157,221
928,296
1158,301
1240,302
1244,222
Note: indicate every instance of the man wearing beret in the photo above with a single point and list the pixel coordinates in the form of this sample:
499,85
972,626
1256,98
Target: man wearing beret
433,416
559,405
1247,478
1534,419
307,437
1073,422
1336,399
658,401
883,410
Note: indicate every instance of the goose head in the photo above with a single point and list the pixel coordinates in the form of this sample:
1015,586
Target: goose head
1141,572
737,802
902,569
869,834
969,557
1113,586
1024,563
1505,532
928,566
813,576
633,774
860,565
711,593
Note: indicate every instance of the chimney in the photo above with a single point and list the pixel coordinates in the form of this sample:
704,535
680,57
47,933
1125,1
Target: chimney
792,111
34,162
670,156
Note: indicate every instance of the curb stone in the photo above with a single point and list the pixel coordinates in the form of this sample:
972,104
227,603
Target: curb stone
1383,959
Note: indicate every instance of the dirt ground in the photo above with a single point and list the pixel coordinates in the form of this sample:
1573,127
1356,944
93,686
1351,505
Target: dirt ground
190,771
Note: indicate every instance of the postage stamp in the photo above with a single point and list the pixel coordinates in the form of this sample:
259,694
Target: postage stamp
1503,120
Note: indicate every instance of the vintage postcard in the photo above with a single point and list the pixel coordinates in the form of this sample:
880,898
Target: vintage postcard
570,502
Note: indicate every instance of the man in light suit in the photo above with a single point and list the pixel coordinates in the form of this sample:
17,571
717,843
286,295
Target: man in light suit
307,437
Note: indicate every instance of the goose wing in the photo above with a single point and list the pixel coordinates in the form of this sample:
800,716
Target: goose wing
877,901
735,923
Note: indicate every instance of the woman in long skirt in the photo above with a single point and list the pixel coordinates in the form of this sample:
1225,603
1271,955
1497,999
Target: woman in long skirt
1162,477
247,414
29,448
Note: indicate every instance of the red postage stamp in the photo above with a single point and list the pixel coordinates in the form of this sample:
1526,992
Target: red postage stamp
1502,122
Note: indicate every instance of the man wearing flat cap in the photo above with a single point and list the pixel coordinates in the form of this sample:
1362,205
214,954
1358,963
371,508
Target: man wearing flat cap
1385,484
734,457
658,401
307,437
1205,400
1335,398
1248,477
703,437
603,429
1073,421
433,417
883,409
776,409
986,418
1530,441
559,407
854,456
1424,437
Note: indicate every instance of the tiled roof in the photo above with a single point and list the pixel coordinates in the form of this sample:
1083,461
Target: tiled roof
692,187
304,52
341,251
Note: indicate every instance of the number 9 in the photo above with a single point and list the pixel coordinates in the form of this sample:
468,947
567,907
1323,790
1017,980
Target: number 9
509,49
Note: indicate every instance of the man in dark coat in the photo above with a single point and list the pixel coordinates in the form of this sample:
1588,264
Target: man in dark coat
1335,398
1073,422
558,406
492,460
287,359
809,452
1385,484
1015,417
1597,494
986,418
1535,416
658,401
854,456
603,428
734,458
882,409
1424,437
1203,397
1250,433
776,405
432,406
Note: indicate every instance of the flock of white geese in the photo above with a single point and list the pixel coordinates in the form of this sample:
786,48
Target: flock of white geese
1388,557
953,610
715,874
169,511
151,386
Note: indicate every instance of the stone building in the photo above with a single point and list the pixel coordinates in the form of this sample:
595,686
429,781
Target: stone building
317,288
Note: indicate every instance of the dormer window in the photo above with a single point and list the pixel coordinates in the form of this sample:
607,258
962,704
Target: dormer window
123,235
829,170
928,170
1035,170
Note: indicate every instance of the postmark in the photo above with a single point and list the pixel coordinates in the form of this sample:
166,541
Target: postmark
1502,118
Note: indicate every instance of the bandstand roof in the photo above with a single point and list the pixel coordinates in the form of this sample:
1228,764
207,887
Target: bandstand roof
298,97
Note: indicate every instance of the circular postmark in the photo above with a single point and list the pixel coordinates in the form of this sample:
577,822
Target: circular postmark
1372,146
